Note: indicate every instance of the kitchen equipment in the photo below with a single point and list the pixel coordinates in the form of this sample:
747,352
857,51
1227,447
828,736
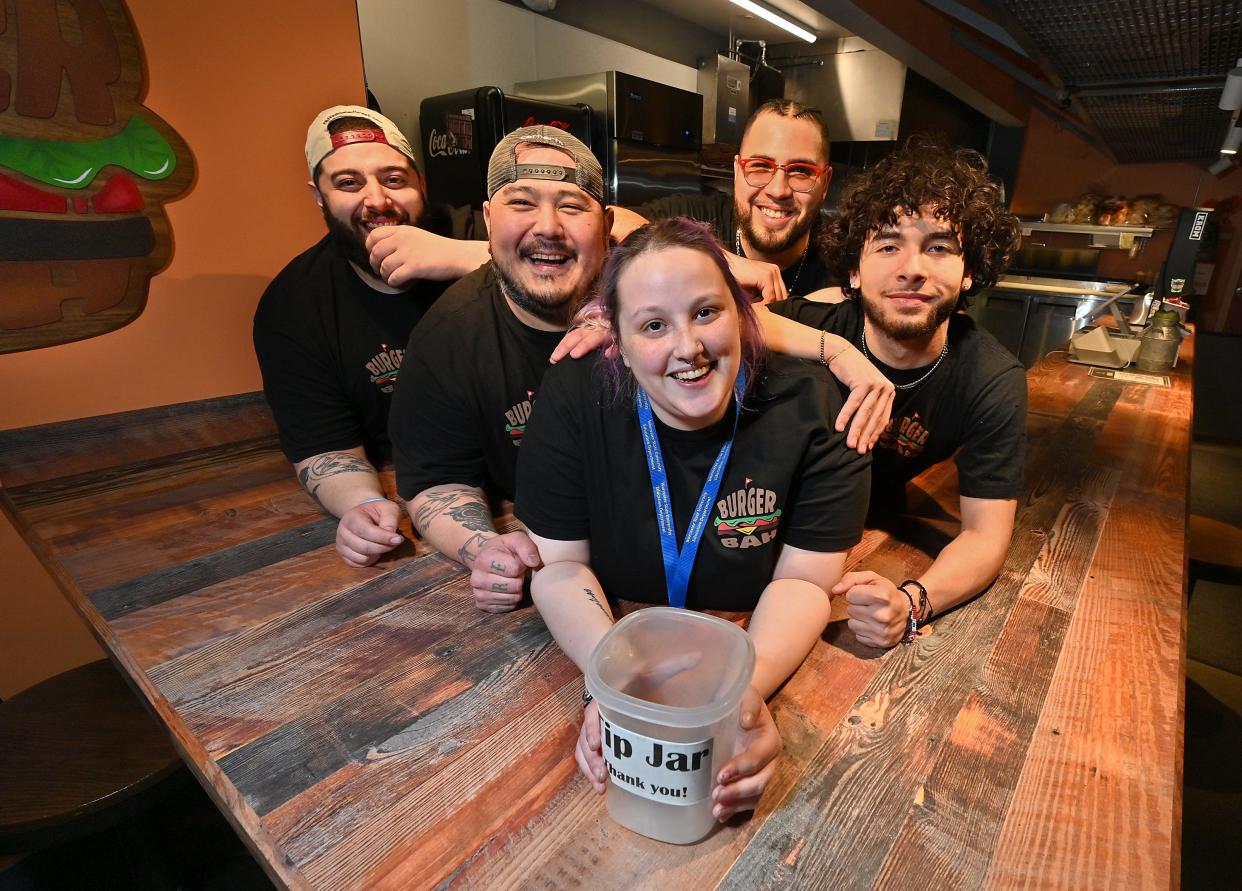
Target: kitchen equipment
1179,269
1160,343
647,135
725,85
1031,315
1099,346
460,130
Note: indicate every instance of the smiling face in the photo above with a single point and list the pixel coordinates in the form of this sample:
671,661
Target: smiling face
677,325
548,239
910,275
775,219
365,185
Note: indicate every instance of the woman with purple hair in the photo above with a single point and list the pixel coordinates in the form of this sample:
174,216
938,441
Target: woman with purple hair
690,417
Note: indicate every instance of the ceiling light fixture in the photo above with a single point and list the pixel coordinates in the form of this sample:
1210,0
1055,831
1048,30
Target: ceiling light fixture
776,19
1233,139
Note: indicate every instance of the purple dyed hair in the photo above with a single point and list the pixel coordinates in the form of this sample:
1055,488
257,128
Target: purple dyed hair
676,232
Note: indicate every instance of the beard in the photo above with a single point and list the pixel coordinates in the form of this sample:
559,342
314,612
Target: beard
902,327
554,303
767,241
352,243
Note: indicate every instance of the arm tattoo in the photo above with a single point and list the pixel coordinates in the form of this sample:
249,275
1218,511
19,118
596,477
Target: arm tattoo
463,507
591,597
469,551
473,515
329,464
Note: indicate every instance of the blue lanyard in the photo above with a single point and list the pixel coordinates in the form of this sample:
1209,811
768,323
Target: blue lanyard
678,564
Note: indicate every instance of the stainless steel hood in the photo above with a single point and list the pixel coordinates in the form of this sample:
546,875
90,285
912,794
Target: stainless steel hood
857,86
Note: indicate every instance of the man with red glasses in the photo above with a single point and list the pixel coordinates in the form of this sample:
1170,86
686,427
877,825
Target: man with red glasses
780,180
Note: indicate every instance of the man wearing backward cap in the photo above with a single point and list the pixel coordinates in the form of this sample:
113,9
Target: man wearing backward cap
474,365
329,330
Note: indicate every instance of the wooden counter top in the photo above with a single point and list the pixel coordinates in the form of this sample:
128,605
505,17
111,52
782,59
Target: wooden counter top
371,729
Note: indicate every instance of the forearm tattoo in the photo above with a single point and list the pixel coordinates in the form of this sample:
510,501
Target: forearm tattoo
591,597
462,507
312,475
469,552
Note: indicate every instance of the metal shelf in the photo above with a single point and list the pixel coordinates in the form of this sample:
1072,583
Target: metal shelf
1101,236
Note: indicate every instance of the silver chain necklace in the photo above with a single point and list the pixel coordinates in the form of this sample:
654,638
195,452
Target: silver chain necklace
910,386
737,249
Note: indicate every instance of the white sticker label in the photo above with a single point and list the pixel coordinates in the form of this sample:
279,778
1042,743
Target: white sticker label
1196,228
672,773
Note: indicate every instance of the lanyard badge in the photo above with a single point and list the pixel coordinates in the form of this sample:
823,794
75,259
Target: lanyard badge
679,563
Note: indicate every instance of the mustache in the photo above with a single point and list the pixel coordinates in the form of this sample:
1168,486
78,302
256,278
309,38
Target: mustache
539,245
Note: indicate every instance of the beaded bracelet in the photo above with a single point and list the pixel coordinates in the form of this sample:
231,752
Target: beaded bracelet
912,626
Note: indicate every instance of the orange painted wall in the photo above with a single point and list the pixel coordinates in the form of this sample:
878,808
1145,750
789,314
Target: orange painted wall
239,81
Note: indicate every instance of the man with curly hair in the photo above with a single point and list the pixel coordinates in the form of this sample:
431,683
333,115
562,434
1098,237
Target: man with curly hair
914,235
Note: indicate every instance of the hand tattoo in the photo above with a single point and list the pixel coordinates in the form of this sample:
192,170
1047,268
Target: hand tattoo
500,587
591,597
329,464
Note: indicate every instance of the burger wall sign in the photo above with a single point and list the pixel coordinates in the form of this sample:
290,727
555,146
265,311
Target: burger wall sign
85,169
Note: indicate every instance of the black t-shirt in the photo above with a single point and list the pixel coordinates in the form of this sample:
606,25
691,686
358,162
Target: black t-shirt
330,348
790,480
803,276
468,382
975,400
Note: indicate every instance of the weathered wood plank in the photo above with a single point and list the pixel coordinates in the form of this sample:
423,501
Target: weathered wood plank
1104,771
92,444
883,755
117,600
950,832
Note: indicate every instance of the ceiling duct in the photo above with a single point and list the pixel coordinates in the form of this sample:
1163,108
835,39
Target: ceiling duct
855,85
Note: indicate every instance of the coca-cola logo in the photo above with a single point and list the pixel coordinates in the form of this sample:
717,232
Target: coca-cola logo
444,145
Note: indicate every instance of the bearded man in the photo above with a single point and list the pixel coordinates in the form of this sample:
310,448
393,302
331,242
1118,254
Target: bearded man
473,367
329,333
780,179
914,235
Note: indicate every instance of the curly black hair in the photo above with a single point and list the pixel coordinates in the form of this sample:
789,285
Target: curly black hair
924,173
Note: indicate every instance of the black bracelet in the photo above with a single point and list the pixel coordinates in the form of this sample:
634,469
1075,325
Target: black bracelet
912,625
586,697
924,611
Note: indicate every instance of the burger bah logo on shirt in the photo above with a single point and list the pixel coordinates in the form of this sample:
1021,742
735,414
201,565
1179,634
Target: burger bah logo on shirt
905,436
516,418
384,367
748,517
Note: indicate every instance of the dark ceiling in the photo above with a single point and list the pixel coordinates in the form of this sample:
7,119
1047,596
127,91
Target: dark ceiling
1146,74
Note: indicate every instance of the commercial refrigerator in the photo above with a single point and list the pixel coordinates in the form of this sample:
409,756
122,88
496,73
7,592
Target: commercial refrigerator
648,135
460,131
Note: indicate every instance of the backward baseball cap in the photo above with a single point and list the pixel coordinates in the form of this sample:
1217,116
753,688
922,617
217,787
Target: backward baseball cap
504,167
320,142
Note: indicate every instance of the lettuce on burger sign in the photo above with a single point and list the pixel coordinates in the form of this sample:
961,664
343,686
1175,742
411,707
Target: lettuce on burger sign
85,169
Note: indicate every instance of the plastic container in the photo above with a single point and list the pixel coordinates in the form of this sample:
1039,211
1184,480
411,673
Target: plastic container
669,684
